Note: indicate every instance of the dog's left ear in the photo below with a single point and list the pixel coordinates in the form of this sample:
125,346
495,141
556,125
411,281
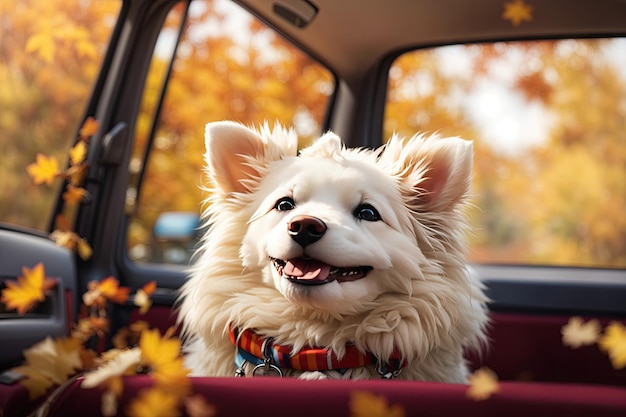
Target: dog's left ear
229,148
436,173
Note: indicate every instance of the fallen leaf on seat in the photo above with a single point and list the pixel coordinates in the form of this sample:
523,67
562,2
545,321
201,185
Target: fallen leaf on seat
162,357
577,333
55,359
122,362
44,170
28,290
613,342
35,383
153,402
483,384
367,404
197,406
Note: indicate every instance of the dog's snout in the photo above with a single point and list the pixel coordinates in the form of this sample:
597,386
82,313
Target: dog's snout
306,229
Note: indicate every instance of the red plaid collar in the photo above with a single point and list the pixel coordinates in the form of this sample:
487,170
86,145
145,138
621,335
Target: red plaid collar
257,350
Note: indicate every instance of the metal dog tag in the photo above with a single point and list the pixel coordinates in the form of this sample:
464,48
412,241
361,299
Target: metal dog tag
267,369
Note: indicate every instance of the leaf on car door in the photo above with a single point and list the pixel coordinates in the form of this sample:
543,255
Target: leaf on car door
613,342
577,333
29,289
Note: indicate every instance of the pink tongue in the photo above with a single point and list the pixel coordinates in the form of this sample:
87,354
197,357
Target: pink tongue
307,269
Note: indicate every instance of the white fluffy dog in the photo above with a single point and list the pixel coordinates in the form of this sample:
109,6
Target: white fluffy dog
333,262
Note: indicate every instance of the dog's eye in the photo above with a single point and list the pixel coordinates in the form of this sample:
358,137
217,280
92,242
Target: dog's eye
285,204
367,212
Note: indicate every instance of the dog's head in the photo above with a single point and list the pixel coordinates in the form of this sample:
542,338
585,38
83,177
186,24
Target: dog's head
332,228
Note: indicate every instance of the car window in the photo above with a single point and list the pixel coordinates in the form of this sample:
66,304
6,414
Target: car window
50,52
548,121
228,66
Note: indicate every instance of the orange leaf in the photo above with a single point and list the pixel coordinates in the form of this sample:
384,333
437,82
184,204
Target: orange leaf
109,287
78,153
28,290
142,297
62,223
366,404
150,287
197,406
89,128
76,174
44,169
483,384
74,195
517,11
83,249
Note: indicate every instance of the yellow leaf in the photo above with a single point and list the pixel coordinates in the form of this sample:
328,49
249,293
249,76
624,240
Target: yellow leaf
483,384
142,297
83,248
29,289
143,301
44,169
74,195
108,404
154,402
517,11
89,127
614,343
78,153
123,361
57,359
162,356
576,333
43,44
35,383
366,404
66,239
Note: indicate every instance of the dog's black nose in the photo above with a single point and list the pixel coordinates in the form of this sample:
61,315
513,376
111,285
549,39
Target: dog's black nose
306,229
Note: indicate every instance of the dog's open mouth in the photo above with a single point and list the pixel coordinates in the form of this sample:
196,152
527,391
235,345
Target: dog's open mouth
309,271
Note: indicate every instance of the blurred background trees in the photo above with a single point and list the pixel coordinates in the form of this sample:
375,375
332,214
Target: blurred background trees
547,120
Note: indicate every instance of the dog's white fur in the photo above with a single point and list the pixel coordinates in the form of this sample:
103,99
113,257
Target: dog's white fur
419,298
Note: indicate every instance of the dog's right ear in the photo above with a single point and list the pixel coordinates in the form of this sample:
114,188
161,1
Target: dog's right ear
230,149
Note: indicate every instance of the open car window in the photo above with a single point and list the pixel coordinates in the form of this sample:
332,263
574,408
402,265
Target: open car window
547,119
50,53
228,66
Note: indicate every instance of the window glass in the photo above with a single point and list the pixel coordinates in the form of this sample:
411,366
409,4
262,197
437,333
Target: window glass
50,53
228,66
548,121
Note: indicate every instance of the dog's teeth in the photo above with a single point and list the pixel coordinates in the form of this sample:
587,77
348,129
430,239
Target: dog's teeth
334,270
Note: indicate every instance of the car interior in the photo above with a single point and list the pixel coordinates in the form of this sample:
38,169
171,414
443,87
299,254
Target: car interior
374,67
